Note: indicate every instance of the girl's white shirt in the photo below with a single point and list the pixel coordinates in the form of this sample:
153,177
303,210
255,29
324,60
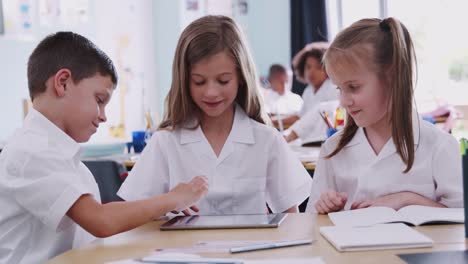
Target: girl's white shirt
255,167
327,92
358,171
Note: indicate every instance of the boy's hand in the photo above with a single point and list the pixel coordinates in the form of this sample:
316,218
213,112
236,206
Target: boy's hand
186,195
331,201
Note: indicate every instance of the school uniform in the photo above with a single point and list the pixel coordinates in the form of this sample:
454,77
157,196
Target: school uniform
41,177
311,127
288,103
358,171
327,92
255,167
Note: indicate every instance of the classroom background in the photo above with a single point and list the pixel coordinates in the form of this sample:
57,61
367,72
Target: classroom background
140,37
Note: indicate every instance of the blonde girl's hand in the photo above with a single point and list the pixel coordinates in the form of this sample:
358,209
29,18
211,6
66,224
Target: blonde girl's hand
397,201
394,200
186,195
331,201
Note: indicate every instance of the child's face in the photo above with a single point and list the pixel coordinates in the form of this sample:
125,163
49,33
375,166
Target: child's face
84,106
362,93
314,72
214,84
278,82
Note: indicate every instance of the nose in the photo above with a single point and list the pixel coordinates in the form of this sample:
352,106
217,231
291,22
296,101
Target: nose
102,115
346,99
212,90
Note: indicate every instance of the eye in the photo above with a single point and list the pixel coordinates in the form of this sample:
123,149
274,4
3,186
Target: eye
223,82
198,82
354,87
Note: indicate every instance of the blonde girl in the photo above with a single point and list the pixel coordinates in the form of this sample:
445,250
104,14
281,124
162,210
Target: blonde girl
385,156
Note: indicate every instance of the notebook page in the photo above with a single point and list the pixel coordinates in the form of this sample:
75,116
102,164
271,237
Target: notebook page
364,217
417,214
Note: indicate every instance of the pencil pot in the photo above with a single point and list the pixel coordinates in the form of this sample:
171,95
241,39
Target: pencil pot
465,189
331,131
139,142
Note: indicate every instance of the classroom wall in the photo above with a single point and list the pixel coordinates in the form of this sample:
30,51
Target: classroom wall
14,55
266,25
268,29
167,28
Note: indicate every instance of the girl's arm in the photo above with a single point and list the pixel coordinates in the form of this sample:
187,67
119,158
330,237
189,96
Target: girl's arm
397,201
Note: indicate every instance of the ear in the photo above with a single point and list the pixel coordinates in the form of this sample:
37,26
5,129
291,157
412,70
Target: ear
60,81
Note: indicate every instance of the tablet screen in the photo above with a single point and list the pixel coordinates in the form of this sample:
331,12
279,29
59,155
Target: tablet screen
224,221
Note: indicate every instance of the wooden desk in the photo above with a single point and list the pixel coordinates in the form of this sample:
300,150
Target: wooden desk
141,241
307,155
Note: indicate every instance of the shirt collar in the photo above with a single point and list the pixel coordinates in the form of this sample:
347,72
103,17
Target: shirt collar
242,130
57,138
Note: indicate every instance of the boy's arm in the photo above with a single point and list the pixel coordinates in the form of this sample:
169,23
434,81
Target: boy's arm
103,220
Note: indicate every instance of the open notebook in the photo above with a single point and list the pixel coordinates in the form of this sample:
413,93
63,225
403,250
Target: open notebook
413,215
377,237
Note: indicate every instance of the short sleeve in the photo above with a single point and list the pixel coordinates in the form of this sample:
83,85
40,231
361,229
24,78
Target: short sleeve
323,180
45,185
288,182
447,169
150,175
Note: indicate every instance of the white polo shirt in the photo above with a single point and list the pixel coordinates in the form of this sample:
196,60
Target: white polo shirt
255,167
358,171
288,103
41,177
327,92
311,127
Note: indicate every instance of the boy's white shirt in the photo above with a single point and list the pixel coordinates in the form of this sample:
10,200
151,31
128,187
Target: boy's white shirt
255,167
288,103
311,127
41,177
356,170
327,92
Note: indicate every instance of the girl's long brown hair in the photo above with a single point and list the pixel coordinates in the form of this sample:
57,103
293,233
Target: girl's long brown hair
201,39
386,47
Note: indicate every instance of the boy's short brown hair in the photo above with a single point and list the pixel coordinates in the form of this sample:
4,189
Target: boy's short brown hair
66,50
276,69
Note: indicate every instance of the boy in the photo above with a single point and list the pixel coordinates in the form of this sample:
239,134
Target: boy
46,193
279,99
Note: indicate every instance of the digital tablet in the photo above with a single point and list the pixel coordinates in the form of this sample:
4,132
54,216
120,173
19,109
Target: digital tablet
224,221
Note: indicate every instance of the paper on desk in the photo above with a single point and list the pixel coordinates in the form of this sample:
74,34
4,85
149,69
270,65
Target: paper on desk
215,246
317,260
158,255
306,154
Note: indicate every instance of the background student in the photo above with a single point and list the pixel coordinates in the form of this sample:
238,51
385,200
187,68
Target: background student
47,194
385,156
279,100
309,69
214,125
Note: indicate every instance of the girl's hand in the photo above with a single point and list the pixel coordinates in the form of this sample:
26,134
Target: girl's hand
331,201
397,201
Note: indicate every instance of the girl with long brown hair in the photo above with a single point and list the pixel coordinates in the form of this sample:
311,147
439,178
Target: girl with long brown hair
214,125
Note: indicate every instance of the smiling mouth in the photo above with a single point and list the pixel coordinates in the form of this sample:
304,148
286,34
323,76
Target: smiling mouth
213,104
